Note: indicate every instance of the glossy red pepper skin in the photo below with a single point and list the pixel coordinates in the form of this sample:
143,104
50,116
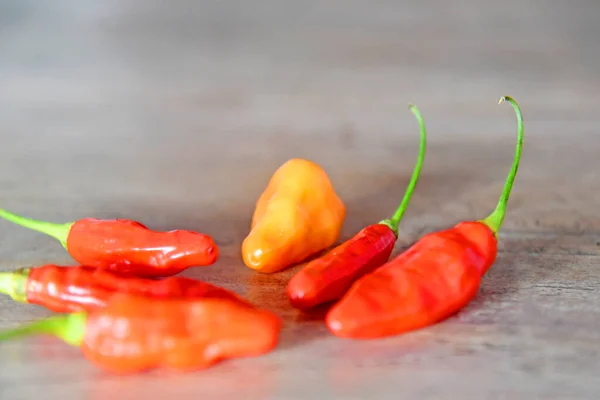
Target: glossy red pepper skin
136,334
328,278
429,282
129,247
73,289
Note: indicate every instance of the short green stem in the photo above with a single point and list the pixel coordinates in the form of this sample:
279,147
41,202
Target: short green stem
68,327
394,222
58,231
495,219
14,284
390,224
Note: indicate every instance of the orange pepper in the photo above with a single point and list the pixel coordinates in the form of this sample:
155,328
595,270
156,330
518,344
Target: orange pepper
133,334
297,215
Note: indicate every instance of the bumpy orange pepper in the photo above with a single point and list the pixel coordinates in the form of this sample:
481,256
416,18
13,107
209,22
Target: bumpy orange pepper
134,334
298,215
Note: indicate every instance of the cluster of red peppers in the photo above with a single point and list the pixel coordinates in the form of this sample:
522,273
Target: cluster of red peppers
127,311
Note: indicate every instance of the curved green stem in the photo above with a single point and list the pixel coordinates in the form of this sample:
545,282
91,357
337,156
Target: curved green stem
495,219
14,284
393,222
58,231
68,327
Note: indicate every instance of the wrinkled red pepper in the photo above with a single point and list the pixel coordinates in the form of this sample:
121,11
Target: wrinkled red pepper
73,289
127,246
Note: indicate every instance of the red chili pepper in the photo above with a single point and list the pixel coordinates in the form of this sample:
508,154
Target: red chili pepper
73,289
127,246
132,334
327,278
432,280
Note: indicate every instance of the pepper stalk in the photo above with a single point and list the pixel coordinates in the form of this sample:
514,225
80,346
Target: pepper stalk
394,222
496,218
68,327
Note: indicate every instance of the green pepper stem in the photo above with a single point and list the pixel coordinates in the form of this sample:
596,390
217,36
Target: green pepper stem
68,327
495,219
58,231
394,222
14,284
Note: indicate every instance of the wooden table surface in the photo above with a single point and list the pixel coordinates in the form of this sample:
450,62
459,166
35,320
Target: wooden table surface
176,115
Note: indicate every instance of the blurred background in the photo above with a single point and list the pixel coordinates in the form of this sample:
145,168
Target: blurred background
112,99
177,113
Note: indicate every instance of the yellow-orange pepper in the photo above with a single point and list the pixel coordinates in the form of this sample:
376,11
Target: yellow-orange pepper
298,215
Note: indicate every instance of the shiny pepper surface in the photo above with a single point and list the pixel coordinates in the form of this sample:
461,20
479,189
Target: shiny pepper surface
73,289
327,278
127,246
133,334
298,215
432,280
